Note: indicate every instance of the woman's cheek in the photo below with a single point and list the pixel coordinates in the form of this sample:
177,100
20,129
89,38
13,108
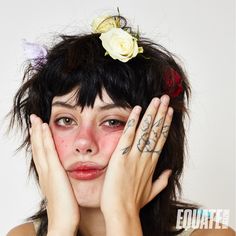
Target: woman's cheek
63,144
108,143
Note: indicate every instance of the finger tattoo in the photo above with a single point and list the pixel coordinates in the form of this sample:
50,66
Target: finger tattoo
142,141
158,123
165,130
125,150
129,124
146,144
146,123
150,145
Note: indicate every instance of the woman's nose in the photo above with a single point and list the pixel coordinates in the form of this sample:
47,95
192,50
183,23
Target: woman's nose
85,142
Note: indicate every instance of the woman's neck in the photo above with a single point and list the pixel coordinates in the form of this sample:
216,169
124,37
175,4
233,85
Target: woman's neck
92,222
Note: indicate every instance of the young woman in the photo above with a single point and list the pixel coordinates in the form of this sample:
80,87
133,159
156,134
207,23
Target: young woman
104,119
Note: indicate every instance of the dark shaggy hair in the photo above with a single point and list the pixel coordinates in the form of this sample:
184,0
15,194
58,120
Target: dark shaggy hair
79,61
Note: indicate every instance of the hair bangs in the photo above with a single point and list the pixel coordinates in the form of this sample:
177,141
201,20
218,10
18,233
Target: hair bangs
117,79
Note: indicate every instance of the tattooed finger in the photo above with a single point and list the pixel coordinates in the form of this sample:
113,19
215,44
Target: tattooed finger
142,137
126,140
165,131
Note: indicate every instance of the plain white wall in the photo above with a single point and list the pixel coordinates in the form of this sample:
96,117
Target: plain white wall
200,32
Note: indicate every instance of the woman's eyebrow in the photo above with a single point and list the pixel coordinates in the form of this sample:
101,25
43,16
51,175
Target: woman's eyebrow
64,104
107,106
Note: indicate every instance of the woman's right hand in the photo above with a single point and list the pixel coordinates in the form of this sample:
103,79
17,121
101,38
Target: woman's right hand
62,207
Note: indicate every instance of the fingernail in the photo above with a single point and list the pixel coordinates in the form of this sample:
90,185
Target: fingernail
44,126
156,102
165,99
170,111
32,117
137,109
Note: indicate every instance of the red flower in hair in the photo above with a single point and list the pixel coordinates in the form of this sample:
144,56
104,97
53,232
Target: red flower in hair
172,83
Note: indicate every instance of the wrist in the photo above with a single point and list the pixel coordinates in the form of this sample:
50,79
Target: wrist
123,223
62,229
120,210
61,232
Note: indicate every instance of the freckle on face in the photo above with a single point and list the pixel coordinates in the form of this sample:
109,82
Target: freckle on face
62,145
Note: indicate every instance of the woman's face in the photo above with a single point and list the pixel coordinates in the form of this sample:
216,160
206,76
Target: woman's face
85,141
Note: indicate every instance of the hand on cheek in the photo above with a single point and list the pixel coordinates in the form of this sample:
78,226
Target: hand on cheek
62,208
128,183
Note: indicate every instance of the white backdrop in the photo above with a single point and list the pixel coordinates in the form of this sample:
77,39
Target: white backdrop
200,32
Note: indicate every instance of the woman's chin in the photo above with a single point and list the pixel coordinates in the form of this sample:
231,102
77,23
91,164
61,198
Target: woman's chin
88,193
89,204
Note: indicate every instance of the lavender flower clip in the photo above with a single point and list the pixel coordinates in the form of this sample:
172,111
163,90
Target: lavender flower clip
35,53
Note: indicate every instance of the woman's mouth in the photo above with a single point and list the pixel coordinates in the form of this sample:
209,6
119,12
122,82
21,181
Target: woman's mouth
85,170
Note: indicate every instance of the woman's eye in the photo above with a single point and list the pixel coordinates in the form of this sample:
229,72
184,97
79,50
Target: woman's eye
65,121
114,123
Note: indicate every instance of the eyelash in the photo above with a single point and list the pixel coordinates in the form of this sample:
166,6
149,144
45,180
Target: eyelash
63,119
121,123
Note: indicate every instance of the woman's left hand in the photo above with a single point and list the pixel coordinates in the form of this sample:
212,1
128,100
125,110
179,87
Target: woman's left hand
128,183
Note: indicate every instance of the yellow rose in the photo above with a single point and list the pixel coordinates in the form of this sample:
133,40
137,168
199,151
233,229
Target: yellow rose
120,45
104,23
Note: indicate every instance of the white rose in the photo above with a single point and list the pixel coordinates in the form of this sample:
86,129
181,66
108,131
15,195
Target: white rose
104,23
120,45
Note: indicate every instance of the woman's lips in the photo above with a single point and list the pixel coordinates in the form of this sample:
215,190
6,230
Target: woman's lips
85,170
